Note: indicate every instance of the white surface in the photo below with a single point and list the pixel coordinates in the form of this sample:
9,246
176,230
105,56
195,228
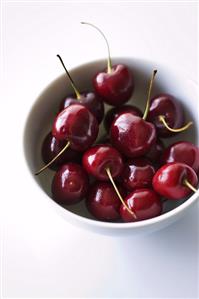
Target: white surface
43,256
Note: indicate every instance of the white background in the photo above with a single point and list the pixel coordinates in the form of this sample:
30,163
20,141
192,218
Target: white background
43,256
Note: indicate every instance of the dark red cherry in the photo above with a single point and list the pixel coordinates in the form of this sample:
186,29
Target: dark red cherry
113,113
167,106
155,152
51,147
70,184
88,99
184,152
138,173
171,180
132,135
103,202
77,125
145,203
116,86
101,157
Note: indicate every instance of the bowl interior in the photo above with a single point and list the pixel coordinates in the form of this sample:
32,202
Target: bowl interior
42,114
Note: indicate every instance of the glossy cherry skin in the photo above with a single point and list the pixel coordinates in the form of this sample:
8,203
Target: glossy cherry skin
113,113
51,147
167,106
77,125
137,173
100,157
89,100
155,152
70,184
145,203
103,202
132,135
116,87
184,152
168,181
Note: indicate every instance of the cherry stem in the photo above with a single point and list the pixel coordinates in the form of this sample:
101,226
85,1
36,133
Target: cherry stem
162,119
187,184
59,154
149,95
118,193
109,64
70,78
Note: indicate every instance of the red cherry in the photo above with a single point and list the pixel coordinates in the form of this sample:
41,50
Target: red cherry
99,158
115,87
70,184
165,105
89,100
145,203
113,113
184,152
132,135
51,148
103,202
76,125
115,84
171,180
155,152
138,173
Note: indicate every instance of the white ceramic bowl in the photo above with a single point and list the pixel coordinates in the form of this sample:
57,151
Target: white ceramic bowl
42,113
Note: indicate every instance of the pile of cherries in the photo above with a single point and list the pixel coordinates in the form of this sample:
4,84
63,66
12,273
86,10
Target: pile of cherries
128,174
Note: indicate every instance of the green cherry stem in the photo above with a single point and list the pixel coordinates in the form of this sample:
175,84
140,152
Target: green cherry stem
118,193
70,78
162,119
49,163
109,64
149,95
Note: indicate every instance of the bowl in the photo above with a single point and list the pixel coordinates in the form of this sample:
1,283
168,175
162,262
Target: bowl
43,111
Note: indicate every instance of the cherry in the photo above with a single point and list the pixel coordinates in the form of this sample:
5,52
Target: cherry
132,135
76,125
50,149
102,201
155,152
104,162
113,113
70,184
115,84
99,158
89,99
167,115
138,173
145,204
184,152
175,180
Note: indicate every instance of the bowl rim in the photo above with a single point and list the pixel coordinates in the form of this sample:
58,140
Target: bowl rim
103,224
